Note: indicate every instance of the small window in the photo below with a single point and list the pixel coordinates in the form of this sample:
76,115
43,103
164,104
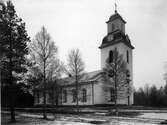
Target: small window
38,97
112,94
64,96
113,27
74,95
84,97
111,56
127,56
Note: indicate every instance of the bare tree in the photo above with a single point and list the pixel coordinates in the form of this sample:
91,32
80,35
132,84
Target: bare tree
43,52
55,71
117,75
76,68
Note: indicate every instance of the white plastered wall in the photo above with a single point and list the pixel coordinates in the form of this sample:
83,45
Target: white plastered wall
122,48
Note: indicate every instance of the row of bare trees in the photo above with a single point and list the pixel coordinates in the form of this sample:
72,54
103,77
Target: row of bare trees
44,61
29,61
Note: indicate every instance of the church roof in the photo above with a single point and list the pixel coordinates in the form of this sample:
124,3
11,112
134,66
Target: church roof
118,37
115,16
86,78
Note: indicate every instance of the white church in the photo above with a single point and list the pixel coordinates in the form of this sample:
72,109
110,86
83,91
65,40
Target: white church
92,89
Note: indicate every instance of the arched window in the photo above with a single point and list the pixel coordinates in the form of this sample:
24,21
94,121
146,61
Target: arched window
64,96
127,56
84,97
38,97
111,56
112,94
113,27
74,95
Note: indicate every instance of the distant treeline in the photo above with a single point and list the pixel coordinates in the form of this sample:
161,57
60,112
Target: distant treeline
151,96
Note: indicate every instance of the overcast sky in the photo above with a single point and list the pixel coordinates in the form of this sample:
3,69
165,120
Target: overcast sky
81,24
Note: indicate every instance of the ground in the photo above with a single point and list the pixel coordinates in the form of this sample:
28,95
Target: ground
82,119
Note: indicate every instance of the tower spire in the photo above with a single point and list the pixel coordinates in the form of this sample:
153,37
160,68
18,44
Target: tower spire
115,6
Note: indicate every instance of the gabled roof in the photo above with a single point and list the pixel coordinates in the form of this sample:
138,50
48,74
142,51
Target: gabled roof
86,78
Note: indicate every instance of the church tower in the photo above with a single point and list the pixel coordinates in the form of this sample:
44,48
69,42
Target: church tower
117,38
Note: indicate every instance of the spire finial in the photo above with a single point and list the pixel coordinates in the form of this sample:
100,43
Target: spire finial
115,7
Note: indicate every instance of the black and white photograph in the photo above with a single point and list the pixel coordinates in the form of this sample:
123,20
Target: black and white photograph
83,62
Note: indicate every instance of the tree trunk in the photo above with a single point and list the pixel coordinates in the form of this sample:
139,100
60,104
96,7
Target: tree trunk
115,100
77,106
12,96
57,95
57,90
12,103
44,108
115,79
12,109
53,96
61,96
